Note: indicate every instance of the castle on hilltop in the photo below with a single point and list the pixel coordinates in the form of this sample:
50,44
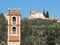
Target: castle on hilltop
35,15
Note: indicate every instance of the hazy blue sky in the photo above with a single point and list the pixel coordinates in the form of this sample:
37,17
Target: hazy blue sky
27,5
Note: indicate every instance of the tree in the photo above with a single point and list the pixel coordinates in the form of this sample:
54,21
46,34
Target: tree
47,14
44,13
51,38
3,28
51,35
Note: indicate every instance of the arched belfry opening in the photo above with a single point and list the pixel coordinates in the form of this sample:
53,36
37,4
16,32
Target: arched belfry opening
14,20
14,30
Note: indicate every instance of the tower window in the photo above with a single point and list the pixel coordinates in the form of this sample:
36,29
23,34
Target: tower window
14,30
14,20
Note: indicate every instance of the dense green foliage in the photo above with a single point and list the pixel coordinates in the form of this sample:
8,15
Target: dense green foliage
46,14
3,29
39,32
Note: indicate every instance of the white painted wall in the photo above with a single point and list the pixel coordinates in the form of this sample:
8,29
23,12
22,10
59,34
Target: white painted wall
37,15
5,15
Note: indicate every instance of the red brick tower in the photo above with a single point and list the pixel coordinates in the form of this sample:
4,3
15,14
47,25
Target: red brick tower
13,27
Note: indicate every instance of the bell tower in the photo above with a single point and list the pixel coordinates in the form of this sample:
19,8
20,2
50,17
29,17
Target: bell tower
13,27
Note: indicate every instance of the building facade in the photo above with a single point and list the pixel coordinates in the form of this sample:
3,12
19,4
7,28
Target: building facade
13,27
34,15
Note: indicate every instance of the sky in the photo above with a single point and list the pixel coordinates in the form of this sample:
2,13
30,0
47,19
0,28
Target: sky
27,5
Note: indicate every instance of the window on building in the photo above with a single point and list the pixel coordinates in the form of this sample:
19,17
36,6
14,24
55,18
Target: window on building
14,30
14,20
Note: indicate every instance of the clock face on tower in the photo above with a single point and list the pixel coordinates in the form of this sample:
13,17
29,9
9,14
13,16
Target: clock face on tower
13,43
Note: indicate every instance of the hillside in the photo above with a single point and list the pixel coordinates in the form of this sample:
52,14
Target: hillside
33,32
39,32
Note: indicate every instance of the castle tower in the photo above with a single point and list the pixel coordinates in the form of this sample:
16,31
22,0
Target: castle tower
13,27
52,16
